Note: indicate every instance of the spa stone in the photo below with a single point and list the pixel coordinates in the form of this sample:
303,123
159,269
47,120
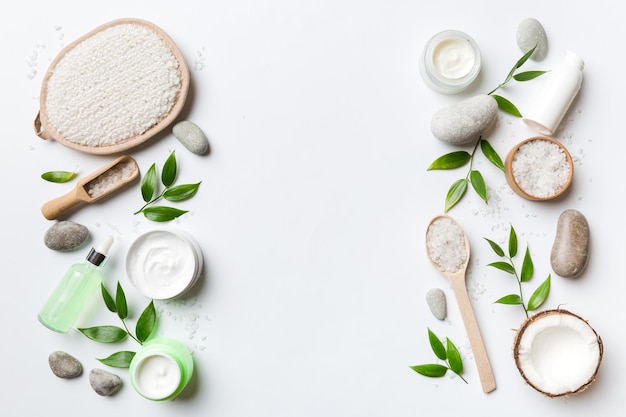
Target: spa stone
570,250
104,383
64,365
462,123
436,300
191,136
530,32
65,236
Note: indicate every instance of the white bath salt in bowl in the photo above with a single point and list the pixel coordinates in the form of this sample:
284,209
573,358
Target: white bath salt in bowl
113,89
539,168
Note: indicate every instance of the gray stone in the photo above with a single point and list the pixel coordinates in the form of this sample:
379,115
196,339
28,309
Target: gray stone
65,236
64,365
191,136
570,250
436,300
462,123
104,383
530,32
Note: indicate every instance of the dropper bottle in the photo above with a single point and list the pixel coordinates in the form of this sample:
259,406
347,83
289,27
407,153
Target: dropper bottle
75,291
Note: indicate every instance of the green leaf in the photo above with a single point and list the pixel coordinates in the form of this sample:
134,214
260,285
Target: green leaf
162,213
511,299
149,183
146,323
540,295
528,75
478,183
58,176
108,300
181,192
455,193
505,105
450,161
454,357
523,59
120,302
104,334
168,175
491,154
120,359
432,370
436,345
512,243
495,247
503,266
527,267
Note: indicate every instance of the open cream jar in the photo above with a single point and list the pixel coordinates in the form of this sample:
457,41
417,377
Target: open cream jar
164,264
450,62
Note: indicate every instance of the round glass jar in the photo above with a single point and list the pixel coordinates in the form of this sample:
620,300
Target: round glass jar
161,369
164,264
450,62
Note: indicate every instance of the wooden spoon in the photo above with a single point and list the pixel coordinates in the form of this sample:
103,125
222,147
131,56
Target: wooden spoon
102,182
450,256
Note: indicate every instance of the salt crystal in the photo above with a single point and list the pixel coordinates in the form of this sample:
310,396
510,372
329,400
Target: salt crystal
540,168
445,241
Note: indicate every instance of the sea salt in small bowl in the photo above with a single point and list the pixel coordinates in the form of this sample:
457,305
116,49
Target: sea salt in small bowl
539,168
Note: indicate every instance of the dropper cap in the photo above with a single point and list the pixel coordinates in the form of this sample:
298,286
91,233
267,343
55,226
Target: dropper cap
99,252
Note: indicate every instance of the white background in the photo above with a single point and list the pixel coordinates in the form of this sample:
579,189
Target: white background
313,208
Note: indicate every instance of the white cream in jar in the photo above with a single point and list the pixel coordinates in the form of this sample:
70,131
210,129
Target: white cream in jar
163,264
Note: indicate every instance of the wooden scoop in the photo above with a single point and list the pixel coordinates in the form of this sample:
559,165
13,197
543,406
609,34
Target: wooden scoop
101,183
447,258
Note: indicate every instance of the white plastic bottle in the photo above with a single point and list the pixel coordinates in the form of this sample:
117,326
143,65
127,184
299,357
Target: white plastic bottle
556,95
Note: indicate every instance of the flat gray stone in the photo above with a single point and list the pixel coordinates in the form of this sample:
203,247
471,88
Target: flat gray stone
64,365
65,236
104,383
464,122
530,32
570,250
191,136
436,300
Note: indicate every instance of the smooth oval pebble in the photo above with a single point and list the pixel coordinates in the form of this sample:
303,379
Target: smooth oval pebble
570,250
191,136
64,365
104,383
530,32
65,235
463,122
436,300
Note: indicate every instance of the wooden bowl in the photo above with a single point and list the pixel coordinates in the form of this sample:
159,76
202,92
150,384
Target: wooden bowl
526,190
94,114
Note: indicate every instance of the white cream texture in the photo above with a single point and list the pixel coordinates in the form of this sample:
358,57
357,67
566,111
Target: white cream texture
453,57
157,376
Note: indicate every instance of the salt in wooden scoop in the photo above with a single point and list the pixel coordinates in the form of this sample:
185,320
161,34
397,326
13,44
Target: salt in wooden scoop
449,252
102,182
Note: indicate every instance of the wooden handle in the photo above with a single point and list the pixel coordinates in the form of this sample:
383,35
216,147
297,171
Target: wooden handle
485,373
55,208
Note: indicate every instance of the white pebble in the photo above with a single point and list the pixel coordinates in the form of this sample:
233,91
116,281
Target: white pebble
191,136
530,32
464,122
436,300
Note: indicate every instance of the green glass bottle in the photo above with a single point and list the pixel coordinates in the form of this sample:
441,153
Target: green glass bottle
79,285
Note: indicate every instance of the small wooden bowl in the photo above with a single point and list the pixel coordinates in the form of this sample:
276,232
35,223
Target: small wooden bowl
513,182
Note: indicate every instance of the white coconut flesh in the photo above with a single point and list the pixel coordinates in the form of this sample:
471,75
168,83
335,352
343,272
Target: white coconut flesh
557,352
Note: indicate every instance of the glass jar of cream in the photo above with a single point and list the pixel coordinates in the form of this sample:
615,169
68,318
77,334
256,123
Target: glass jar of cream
450,62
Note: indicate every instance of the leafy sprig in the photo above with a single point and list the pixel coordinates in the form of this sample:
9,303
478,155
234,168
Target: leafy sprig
144,327
173,193
448,353
58,176
526,272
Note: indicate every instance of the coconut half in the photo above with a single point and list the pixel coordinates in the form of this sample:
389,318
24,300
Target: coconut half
557,352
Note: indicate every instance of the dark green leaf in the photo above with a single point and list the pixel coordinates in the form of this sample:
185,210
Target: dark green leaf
120,359
181,192
540,295
162,213
432,370
523,59
108,299
149,183
455,193
527,267
450,161
104,334
496,248
528,75
512,243
168,175
436,345
120,302
506,105
503,266
58,176
454,357
491,154
511,299
146,323
478,183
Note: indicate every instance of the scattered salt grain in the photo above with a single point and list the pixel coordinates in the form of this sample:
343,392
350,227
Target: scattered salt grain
445,242
540,168
111,177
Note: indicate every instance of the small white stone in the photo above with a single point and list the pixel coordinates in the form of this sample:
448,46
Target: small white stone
530,32
436,300
191,136
464,122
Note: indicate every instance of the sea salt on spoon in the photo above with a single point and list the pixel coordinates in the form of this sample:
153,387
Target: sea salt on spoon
449,252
